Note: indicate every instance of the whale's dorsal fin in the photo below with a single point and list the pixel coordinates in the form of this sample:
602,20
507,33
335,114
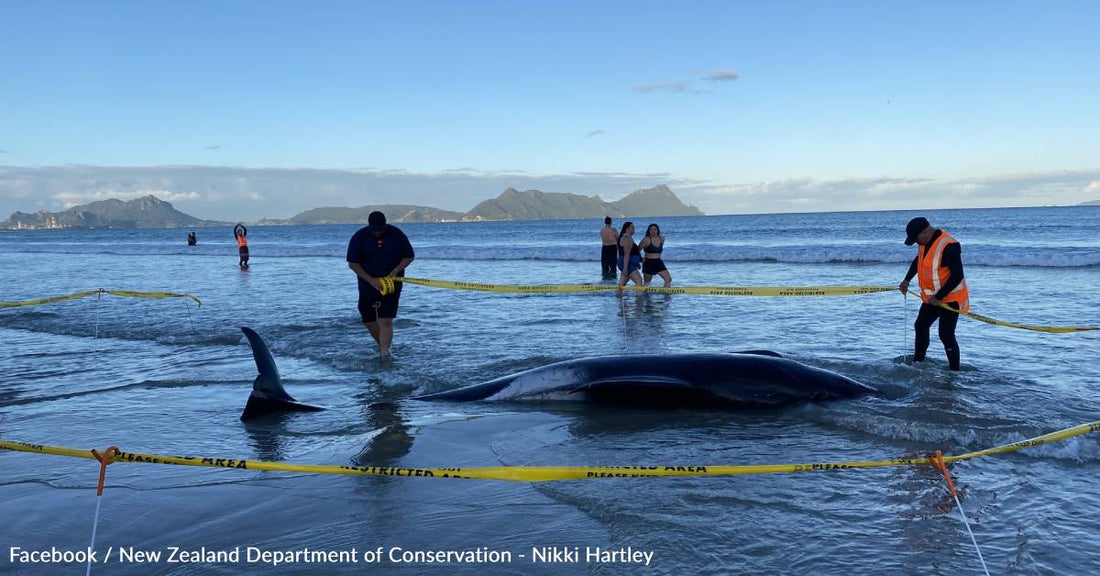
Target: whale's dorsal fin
267,382
268,395
760,353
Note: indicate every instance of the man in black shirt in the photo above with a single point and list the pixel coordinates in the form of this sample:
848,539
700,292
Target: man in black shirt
376,251
939,270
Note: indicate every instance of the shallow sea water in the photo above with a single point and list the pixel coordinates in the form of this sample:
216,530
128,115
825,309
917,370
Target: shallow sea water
162,376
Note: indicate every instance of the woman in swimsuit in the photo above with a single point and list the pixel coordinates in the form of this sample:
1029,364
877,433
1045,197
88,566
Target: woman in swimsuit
630,259
653,244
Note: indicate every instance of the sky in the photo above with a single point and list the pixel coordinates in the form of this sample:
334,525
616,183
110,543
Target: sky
249,110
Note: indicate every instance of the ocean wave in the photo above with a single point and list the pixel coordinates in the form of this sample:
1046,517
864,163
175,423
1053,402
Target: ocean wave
973,255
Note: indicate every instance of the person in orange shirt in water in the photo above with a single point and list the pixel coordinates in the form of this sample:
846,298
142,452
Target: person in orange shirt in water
240,233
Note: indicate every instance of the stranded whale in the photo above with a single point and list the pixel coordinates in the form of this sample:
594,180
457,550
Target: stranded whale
751,378
268,395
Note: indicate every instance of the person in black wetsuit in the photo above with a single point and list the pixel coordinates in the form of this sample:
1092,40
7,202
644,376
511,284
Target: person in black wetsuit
376,251
653,245
192,240
608,252
939,271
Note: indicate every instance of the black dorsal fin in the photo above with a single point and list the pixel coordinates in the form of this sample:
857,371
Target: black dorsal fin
267,382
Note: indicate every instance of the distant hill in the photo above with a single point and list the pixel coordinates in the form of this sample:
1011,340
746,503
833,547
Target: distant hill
144,212
513,204
1093,203
656,201
536,205
393,212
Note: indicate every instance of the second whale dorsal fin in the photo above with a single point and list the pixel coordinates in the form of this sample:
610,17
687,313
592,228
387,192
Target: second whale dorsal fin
267,382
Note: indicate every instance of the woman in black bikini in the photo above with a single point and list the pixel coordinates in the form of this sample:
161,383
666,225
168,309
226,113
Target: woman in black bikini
653,244
629,260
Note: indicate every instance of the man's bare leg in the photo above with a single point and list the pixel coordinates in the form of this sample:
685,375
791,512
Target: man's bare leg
385,336
374,330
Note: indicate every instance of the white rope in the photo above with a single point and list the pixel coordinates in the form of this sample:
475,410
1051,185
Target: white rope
189,319
622,312
972,539
98,304
905,329
95,524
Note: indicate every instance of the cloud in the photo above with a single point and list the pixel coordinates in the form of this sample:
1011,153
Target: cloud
810,195
70,199
720,75
672,87
594,133
686,86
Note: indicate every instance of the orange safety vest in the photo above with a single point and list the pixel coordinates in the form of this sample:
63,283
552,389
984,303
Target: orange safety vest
242,242
931,276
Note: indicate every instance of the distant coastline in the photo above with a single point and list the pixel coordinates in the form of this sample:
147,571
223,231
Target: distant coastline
511,205
151,212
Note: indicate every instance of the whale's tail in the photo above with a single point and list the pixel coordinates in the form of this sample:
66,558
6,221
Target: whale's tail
268,395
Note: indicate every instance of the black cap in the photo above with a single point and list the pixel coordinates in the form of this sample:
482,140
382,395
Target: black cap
376,222
913,228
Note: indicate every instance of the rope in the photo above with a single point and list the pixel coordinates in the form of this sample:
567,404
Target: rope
98,302
99,292
388,284
105,459
1032,327
190,320
937,463
905,329
782,291
544,473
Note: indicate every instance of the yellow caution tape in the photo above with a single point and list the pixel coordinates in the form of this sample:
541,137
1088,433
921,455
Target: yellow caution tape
86,294
541,473
388,287
1036,328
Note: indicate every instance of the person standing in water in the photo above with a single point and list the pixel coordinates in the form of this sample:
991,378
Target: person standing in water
240,233
377,251
608,238
630,260
939,271
652,265
192,240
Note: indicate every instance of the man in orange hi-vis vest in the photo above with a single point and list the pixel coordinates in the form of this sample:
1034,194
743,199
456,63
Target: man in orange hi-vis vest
939,271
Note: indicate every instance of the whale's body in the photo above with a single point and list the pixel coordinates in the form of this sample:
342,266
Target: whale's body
752,378
756,378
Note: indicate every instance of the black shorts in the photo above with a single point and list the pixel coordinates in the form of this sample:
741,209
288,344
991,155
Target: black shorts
244,250
653,267
373,305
